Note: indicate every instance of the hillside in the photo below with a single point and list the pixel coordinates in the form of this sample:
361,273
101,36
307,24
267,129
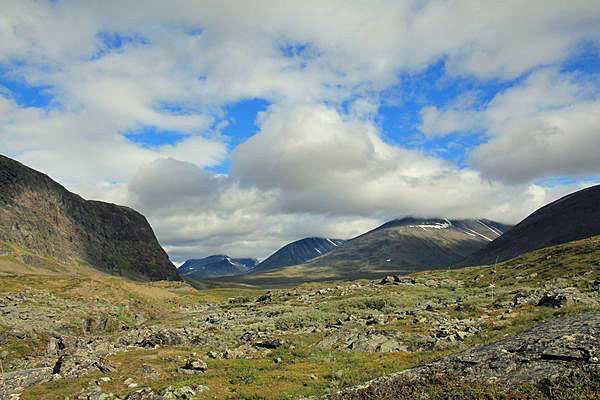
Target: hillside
40,215
572,217
216,266
415,244
298,252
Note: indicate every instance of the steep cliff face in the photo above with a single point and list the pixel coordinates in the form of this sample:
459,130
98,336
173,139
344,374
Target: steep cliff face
41,215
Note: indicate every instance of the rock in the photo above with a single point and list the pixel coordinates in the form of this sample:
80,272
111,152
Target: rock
144,394
89,325
183,392
547,350
163,338
278,360
212,354
195,365
264,298
229,354
432,283
3,338
390,279
15,382
555,301
239,300
70,365
270,343
52,346
149,372
376,344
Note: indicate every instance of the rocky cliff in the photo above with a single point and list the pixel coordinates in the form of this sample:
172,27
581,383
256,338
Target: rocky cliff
42,216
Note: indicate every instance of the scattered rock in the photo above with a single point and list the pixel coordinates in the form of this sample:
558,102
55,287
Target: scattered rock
264,298
270,343
229,354
194,365
389,280
149,372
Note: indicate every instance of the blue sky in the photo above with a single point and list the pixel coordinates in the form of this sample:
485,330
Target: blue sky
236,130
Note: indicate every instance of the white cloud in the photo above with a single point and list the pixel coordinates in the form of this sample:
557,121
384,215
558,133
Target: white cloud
310,171
547,126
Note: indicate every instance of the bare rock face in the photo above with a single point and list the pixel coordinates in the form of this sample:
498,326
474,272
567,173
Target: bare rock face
41,215
543,352
538,353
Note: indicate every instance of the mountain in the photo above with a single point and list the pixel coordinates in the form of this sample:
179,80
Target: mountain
215,266
44,217
414,244
298,252
572,217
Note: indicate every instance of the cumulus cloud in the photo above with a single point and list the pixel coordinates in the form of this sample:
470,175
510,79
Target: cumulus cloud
546,126
312,171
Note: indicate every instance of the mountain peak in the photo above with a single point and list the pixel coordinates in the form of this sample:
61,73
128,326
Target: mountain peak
215,266
298,252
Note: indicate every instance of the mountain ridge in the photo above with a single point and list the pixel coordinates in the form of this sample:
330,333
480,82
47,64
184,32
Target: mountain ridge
416,242
41,215
572,217
215,266
298,252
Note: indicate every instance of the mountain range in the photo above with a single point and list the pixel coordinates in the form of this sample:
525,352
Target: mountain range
41,216
215,266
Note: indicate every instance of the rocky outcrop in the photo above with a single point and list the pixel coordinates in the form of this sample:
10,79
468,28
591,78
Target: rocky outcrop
544,352
42,216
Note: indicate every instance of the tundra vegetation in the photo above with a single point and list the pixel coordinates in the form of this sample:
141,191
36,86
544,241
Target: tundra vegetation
89,335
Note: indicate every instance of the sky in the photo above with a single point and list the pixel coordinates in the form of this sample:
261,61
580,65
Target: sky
236,127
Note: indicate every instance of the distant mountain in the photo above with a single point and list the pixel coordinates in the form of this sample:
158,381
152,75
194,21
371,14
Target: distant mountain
414,244
298,252
216,266
572,217
44,217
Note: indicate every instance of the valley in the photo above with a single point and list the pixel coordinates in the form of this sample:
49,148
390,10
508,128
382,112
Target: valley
91,308
101,337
